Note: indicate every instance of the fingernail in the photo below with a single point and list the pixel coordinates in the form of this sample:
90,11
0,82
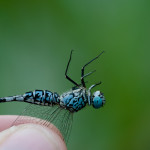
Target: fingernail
30,137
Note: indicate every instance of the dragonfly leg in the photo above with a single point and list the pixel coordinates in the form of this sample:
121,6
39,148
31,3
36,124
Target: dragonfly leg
82,70
67,77
88,74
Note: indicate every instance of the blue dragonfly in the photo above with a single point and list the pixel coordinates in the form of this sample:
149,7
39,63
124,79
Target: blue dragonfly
51,108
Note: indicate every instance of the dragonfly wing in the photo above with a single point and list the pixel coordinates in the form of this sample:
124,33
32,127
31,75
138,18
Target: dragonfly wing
47,115
37,111
67,125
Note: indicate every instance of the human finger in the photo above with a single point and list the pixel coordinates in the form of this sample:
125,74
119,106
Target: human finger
30,136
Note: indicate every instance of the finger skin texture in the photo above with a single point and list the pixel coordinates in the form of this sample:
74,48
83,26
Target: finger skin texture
28,136
6,121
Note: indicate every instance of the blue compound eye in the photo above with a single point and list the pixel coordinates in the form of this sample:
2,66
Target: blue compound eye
97,102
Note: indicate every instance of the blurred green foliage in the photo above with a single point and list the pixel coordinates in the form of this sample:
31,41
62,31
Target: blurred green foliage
35,42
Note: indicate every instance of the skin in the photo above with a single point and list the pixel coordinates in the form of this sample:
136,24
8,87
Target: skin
29,136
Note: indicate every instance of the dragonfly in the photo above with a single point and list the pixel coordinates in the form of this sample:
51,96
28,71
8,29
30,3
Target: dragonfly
51,108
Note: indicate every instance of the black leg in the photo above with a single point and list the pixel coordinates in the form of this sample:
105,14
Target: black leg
67,70
97,83
88,74
76,87
82,70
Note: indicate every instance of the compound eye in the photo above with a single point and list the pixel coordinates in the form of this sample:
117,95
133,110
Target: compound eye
97,93
97,102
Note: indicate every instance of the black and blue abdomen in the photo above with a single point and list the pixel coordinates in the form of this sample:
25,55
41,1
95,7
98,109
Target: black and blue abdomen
44,97
40,96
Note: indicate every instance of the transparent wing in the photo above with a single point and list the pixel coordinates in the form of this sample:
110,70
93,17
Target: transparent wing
67,124
45,115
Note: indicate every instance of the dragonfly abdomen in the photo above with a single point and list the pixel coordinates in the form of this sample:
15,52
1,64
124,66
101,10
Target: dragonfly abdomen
35,97
42,97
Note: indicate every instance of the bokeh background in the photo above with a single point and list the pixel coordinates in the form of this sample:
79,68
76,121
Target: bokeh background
35,42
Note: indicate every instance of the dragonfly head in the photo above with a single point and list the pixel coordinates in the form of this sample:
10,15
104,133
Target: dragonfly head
98,100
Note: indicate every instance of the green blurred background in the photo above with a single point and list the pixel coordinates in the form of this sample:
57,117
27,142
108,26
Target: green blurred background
35,42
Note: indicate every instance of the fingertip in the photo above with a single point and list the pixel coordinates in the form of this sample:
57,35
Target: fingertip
31,136
6,121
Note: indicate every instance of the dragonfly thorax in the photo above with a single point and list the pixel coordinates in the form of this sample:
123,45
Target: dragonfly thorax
74,100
